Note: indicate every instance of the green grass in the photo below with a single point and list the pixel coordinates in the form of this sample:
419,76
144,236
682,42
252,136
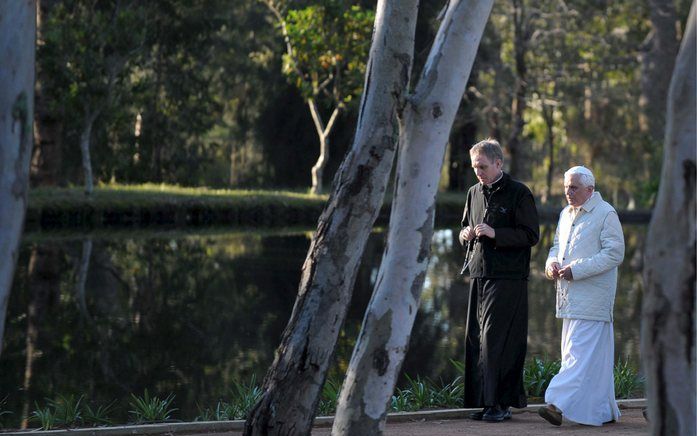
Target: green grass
44,417
628,382
148,193
330,397
537,374
148,408
65,411
149,204
115,205
242,397
223,411
3,410
97,415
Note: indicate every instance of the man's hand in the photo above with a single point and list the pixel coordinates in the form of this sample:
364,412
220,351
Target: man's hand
553,270
565,273
466,234
484,230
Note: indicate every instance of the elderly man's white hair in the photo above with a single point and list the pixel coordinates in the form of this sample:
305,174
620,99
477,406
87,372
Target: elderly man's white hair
585,175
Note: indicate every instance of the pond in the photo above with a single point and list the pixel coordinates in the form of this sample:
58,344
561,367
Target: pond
191,313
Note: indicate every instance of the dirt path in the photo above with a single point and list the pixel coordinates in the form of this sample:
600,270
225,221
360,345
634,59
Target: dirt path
522,424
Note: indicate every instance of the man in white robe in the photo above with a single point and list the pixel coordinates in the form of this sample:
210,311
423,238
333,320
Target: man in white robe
588,248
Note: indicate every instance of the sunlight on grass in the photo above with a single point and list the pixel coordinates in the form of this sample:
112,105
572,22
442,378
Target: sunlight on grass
148,193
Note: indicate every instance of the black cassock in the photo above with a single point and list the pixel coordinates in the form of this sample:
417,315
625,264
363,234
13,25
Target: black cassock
496,342
497,318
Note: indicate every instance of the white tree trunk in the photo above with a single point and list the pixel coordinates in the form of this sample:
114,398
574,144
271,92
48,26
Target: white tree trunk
293,384
323,134
85,142
17,40
318,168
428,118
668,314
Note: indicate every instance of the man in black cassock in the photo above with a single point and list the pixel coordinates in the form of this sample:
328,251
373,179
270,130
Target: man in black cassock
499,227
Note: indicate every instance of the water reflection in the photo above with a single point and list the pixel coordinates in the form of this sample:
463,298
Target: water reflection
112,315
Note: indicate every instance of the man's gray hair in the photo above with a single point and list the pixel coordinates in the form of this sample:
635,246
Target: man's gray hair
489,148
585,175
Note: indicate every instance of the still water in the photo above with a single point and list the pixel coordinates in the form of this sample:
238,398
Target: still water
108,315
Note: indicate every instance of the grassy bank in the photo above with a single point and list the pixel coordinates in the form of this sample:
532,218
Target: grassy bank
165,205
114,206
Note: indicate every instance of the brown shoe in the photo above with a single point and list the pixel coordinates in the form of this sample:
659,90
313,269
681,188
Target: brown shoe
551,414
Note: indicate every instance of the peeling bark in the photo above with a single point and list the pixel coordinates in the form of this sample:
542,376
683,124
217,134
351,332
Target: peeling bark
293,384
17,40
428,119
668,313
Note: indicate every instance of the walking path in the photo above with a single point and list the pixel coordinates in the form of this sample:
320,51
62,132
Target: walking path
523,423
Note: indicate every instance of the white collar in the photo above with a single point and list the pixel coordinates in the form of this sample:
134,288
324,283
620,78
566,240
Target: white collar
494,182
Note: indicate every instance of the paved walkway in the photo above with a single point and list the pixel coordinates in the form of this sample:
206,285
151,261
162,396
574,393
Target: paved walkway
523,423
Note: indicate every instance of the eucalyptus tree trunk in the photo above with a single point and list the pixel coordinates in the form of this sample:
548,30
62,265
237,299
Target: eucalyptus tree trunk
47,155
323,133
668,315
17,41
85,144
293,384
657,61
522,34
427,120
548,116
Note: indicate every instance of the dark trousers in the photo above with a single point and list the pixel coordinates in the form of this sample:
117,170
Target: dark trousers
496,343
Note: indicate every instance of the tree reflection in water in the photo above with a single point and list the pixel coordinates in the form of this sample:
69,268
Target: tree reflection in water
190,314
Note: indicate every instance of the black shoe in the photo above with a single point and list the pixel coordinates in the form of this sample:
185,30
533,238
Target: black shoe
497,414
477,416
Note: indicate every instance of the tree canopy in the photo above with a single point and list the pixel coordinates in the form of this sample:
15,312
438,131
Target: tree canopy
219,102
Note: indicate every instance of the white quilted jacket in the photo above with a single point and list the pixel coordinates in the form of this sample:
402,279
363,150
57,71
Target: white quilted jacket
593,244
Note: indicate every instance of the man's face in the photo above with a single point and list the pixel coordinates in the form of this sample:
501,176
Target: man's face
486,171
576,193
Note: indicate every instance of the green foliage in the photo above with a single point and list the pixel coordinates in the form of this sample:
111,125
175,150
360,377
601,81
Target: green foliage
401,401
330,397
71,411
421,392
537,374
203,76
330,47
627,380
245,395
44,417
98,415
67,410
223,412
3,410
450,395
151,409
64,411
